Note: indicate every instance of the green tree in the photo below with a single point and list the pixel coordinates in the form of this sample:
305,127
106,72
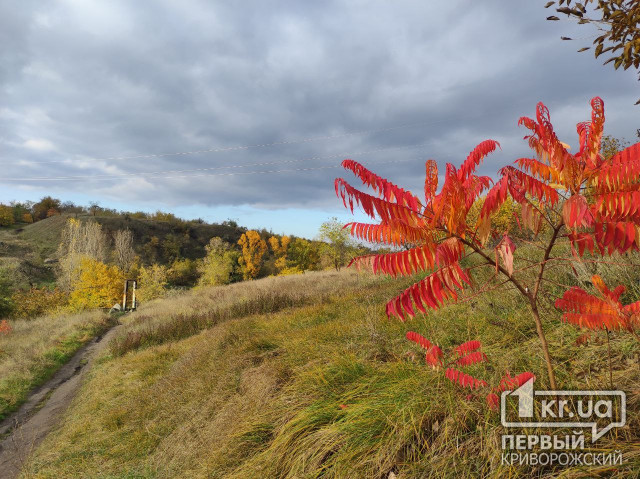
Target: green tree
218,266
183,272
304,254
611,145
6,291
337,245
172,246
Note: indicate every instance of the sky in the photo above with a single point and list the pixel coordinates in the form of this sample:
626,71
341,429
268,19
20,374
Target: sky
244,110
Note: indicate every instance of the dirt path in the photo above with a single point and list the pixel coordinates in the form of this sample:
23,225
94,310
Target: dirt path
33,421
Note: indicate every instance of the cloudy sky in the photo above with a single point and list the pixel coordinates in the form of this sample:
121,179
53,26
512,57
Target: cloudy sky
243,110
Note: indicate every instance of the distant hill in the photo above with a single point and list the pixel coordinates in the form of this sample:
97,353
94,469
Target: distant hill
25,249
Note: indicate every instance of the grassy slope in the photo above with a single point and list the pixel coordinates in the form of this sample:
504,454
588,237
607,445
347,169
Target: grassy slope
36,348
260,395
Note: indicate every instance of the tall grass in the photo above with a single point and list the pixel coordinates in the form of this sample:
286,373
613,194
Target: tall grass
36,348
184,315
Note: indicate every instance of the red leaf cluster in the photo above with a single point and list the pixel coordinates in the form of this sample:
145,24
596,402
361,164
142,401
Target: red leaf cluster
419,339
471,358
433,355
463,379
468,347
592,312
405,221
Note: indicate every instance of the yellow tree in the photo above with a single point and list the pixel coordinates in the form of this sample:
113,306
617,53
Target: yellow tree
96,286
253,249
153,282
279,248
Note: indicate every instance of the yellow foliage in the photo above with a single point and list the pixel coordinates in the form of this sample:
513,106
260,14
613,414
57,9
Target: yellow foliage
97,285
279,248
38,302
290,270
152,282
27,218
6,215
253,249
503,220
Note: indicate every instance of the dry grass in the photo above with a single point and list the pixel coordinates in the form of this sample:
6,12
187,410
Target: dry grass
36,348
183,315
260,396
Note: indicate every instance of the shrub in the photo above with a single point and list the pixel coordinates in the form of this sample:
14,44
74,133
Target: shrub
586,199
38,302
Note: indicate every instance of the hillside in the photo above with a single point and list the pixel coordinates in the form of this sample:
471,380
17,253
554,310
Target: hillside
305,377
25,249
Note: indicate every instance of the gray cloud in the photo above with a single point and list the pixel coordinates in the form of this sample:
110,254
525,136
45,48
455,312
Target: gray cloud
82,80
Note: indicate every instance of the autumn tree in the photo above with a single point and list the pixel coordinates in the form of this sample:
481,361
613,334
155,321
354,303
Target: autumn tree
337,243
45,207
152,282
123,252
96,285
79,240
279,248
253,250
218,265
587,201
6,216
617,21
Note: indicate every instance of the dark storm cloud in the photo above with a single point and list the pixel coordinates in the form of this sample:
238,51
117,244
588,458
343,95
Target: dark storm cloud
83,80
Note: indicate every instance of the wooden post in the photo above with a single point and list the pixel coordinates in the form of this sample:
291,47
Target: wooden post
124,295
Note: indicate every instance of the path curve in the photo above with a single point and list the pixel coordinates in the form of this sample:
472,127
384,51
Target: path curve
41,412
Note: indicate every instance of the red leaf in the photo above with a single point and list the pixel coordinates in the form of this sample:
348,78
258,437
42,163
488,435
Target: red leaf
493,401
468,347
419,339
463,379
471,358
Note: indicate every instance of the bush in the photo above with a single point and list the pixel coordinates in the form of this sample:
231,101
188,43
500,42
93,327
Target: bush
38,302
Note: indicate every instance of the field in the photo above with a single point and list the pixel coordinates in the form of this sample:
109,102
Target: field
305,377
